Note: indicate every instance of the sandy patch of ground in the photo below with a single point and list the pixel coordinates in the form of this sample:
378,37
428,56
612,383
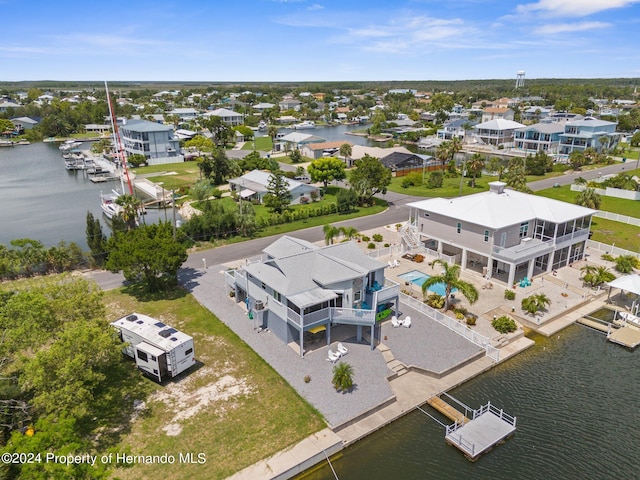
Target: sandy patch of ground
185,402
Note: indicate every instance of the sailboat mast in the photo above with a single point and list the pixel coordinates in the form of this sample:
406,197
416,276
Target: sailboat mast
118,144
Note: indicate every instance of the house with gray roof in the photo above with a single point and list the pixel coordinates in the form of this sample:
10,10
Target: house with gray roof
298,289
229,117
505,234
588,133
254,185
496,132
539,137
24,123
155,141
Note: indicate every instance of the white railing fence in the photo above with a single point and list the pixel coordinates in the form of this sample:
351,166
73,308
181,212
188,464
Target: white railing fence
616,217
452,324
610,249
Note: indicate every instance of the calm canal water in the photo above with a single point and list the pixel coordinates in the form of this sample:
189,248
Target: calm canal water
41,200
578,411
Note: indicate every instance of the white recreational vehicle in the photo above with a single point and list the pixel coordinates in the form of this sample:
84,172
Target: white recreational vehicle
159,350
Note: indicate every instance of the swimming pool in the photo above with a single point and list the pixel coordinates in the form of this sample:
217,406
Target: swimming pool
418,278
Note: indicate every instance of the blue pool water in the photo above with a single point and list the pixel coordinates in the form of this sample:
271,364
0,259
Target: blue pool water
418,278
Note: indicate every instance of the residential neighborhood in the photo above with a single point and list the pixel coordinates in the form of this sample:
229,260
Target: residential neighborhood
459,263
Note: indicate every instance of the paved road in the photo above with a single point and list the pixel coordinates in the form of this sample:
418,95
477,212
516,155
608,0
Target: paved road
396,213
568,178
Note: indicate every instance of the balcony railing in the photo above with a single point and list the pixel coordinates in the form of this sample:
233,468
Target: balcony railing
523,249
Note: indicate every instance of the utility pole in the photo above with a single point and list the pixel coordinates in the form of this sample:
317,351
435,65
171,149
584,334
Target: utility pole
173,207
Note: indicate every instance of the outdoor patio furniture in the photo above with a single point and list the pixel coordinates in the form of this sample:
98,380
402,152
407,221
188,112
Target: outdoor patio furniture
396,263
406,322
332,357
342,350
395,322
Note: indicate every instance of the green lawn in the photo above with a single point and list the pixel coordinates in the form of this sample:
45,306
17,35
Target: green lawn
451,186
267,416
609,204
619,234
264,144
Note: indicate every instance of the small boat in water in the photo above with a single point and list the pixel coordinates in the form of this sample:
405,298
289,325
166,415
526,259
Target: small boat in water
70,145
304,125
108,204
262,125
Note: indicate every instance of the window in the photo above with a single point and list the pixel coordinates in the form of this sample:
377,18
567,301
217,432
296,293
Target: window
142,355
264,287
357,295
486,235
524,229
277,296
458,227
426,215
189,352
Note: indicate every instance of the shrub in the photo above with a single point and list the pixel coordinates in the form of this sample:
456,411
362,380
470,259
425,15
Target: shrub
216,193
435,179
365,238
386,245
509,294
435,301
304,200
504,324
471,320
371,245
398,226
607,257
406,183
307,378
459,316
461,310
377,237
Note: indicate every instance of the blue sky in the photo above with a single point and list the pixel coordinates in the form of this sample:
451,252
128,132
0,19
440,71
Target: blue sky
317,40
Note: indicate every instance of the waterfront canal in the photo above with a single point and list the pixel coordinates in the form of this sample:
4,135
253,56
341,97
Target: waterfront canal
576,399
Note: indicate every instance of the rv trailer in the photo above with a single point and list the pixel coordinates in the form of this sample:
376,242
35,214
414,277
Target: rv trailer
160,351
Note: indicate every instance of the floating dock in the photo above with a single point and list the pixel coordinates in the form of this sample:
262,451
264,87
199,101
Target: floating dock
475,431
624,333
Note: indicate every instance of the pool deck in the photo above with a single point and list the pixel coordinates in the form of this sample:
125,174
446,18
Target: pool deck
406,368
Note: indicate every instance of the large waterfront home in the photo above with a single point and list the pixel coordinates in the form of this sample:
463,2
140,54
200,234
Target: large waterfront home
505,234
155,141
298,289
588,133
496,132
539,137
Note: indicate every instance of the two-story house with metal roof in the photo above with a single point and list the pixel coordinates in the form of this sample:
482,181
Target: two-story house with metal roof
298,287
505,234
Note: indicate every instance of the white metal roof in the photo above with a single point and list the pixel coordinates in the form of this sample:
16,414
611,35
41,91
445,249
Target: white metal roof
628,283
499,124
498,210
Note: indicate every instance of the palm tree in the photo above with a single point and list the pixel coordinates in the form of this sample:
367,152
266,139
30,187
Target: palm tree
475,164
272,131
330,232
442,153
589,198
130,208
349,233
534,303
346,151
450,276
342,377
455,146
467,127
626,263
595,276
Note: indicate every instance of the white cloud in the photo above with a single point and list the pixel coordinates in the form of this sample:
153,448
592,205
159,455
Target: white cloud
315,6
552,29
573,7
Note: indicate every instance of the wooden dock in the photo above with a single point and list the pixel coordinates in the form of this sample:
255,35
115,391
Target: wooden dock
447,410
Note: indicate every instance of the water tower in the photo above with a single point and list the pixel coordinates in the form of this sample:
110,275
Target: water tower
520,79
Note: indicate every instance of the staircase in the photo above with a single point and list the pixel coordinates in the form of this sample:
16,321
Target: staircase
410,236
392,364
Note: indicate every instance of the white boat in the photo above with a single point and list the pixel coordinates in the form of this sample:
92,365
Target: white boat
70,145
304,125
108,204
630,318
262,125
